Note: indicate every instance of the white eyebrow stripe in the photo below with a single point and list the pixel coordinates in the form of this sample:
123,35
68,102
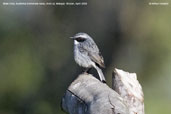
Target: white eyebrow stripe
82,35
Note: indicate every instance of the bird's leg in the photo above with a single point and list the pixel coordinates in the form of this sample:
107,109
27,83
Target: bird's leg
87,70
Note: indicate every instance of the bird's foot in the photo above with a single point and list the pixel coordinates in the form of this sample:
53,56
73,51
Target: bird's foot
87,70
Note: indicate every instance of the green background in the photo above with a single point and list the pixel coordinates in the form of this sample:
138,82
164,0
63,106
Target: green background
36,54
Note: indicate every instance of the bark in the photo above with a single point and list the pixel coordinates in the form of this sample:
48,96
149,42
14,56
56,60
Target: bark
88,95
128,87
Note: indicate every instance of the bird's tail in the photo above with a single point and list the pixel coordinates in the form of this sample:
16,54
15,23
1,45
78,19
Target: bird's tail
102,78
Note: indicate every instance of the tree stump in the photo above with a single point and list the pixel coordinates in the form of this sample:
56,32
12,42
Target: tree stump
88,95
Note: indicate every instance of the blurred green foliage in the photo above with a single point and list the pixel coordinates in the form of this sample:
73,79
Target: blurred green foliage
36,55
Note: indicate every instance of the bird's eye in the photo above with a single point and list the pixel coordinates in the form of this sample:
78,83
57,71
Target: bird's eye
79,39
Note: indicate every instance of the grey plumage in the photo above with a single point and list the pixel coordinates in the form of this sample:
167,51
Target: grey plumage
87,54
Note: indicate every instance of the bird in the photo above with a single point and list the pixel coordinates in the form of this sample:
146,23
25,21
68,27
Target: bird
87,54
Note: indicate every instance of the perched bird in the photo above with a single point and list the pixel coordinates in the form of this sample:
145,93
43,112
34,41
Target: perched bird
87,54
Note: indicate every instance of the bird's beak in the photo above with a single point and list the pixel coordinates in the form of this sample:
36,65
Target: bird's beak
73,38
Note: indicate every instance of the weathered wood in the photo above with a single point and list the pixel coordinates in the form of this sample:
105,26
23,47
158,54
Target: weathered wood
128,87
87,95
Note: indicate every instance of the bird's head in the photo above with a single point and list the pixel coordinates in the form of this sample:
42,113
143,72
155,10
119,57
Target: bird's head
80,37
